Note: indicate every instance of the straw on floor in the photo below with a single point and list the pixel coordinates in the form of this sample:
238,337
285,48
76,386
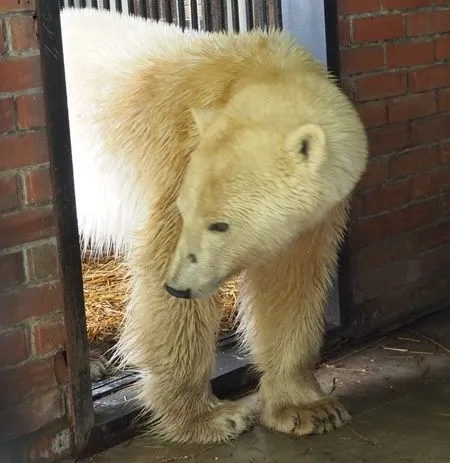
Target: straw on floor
105,294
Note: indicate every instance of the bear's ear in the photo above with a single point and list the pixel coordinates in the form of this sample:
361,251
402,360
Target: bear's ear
203,117
308,141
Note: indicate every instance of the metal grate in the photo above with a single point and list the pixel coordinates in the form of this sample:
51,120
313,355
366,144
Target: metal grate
208,15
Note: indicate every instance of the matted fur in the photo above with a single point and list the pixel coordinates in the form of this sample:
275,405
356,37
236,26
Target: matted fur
174,131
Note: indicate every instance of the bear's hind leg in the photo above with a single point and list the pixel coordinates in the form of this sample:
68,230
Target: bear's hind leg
282,320
172,343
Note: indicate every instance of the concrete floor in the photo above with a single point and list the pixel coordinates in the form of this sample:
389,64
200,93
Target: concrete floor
397,389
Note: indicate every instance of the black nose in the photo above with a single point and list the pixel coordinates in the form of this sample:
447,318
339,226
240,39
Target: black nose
181,293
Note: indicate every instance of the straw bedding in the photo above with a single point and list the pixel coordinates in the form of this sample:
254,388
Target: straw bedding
105,294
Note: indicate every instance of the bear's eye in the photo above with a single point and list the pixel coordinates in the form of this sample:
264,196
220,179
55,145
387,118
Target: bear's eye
218,227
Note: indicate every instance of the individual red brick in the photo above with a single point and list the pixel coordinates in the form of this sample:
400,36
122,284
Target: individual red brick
12,5
373,113
433,262
444,99
38,186
375,28
431,129
396,307
445,205
346,7
14,347
11,270
429,78
26,226
433,292
409,54
27,380
53,445
443,48
373,229
404,108
444,154
7,118
405,4
432,236
20,74
389,138
9,193
355,60
31,415
43,261
413,161
436,261
380,86
431,183
25,303
387,197
30,111
48,336
21,150
344,32
371,283
377,172
383,254
22,31
428,22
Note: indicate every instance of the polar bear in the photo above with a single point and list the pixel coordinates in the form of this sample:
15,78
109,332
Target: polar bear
200,156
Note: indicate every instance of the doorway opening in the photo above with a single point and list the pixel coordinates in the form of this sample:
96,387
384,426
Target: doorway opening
314,24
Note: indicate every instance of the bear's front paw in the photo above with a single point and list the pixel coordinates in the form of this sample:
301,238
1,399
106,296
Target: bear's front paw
228,420
314,418
222,423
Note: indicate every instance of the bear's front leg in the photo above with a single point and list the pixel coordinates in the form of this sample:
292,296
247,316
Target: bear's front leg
172,343
283,322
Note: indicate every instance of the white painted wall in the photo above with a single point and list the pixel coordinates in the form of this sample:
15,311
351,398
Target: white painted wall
305,20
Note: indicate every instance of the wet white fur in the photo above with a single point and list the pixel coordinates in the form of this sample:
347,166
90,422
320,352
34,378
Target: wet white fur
111,44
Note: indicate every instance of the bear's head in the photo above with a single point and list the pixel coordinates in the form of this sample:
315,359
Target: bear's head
256,180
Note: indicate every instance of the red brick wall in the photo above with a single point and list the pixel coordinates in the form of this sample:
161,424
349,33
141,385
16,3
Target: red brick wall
33,421
395,64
